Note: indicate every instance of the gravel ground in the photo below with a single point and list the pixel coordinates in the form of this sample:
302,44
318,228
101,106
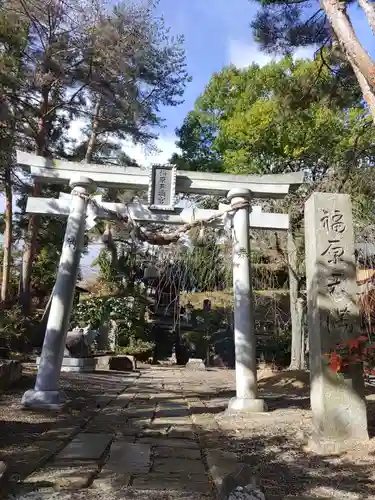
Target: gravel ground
274,445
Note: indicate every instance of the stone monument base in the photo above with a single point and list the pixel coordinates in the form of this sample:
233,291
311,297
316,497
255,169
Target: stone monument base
100,363
322,446
246,405
339,413
51,400
76,364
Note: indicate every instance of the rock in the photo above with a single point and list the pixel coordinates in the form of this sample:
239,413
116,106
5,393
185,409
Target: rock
123,363
232,478
195,364
76,345
79,340
247,492
64,476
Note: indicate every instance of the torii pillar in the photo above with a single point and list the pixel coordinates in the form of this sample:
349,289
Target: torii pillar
46,393
246,399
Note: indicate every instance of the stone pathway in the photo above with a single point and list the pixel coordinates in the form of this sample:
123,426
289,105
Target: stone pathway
144,442
164,436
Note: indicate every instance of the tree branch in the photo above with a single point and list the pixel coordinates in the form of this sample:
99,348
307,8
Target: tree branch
344,30
369,7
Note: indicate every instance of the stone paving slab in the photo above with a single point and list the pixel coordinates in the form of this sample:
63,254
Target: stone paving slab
142,413
179,465
86,446
64,432
118,431
64,477
192,483
181,432
225,470
130,457
170,442
166,413
125,460
120,494
175,420
155,432
176,452
163,451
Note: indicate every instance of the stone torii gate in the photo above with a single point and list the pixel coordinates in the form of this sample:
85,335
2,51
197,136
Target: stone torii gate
162,182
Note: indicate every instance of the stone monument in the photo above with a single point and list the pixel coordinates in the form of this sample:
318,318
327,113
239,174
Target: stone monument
79,342
112,335
78,350
337,401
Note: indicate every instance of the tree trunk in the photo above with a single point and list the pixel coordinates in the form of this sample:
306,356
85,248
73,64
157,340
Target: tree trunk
94,132
28,257
301,310
369,7
8,234
88,159
368,94
343,28
33,227
295,306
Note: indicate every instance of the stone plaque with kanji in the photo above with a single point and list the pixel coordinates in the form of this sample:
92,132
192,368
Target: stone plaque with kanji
162,187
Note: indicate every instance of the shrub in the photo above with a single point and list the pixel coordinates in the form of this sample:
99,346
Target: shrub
358,351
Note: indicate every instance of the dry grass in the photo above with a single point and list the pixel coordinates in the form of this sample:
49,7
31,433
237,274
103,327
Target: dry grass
224,299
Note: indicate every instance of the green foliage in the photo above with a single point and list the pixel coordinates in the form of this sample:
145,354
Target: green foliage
107,271
132,333
138,348
283,25
204,267
212,333
275,347
197,143
92,311
17,333
11,322
285,116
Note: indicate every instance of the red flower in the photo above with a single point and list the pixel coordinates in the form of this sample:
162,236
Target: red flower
335,362
352,344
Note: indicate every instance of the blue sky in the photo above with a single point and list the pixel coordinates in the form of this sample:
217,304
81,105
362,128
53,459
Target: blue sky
217,32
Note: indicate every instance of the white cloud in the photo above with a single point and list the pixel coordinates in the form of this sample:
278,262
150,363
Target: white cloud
165,147
242,54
